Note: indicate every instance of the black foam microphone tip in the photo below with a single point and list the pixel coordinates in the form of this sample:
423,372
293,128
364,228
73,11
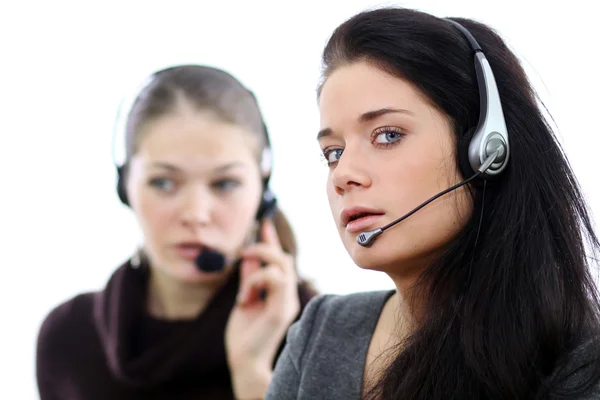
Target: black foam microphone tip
210,260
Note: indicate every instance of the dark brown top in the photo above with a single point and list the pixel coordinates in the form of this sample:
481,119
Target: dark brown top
103,345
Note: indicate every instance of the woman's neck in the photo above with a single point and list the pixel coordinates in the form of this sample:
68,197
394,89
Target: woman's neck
169,298
394,325
410,288
396,319
404,308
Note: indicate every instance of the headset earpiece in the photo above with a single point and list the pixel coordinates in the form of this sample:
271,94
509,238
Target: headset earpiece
463,153
268,202
121,187
462,159
268,205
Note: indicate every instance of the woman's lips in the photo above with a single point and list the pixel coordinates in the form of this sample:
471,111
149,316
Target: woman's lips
189,252
362,223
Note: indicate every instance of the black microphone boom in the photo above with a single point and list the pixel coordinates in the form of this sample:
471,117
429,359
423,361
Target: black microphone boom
210,261
367,238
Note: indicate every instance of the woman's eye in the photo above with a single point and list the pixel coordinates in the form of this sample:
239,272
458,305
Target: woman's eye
163,184
388,137
226,184
332,156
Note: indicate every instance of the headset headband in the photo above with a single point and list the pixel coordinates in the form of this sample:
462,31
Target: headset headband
490,133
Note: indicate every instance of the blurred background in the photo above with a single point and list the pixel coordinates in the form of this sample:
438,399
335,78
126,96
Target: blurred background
67,65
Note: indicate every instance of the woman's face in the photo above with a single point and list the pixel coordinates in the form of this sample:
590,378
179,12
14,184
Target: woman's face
194,182
388,151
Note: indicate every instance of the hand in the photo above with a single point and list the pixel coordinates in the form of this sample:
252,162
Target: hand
256,328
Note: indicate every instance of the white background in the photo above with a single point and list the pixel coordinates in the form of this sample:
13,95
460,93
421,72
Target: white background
65,66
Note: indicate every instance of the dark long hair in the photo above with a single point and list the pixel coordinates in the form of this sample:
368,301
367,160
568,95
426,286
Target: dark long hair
512,297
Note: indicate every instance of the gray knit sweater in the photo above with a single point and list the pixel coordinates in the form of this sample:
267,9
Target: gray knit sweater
326,349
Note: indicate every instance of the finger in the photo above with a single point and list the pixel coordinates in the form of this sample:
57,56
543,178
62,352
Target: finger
268,233
270,279
270,254
247,268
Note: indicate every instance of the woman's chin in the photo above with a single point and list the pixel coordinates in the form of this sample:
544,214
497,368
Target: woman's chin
366,257
188,272
378,258
368,261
